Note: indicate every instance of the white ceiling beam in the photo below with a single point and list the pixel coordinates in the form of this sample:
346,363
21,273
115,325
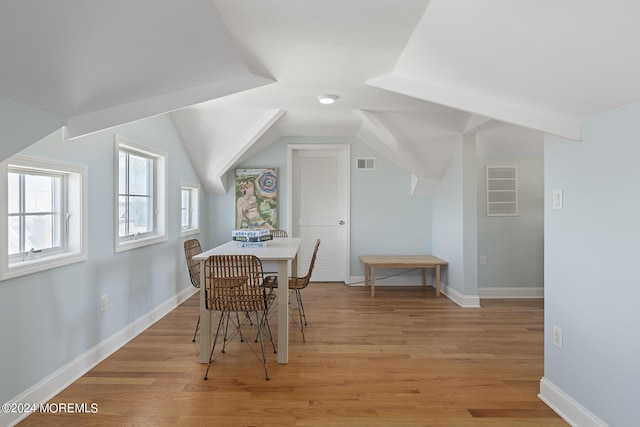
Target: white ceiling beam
477,123
521,115
86,124
260,130
375,134
220,139
216,181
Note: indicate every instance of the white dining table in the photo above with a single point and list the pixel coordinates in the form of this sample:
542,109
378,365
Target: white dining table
280,251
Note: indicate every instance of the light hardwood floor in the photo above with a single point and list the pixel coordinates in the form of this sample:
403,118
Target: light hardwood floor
403,358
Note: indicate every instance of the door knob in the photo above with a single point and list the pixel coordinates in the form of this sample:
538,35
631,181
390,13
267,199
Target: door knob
341,222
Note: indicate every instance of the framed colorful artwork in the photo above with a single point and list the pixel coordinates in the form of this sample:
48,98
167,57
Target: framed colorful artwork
257,198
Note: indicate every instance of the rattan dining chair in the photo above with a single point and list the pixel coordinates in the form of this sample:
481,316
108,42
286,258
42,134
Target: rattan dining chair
233,286
296,284
191,248
276,234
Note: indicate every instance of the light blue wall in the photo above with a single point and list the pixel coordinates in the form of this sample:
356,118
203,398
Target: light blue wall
455,223
51,318
385,218
469,216
514,246
448,238
592,279
21,124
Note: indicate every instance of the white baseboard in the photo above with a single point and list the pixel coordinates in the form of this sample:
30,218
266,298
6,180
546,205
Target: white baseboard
565,406
512,292
49,387
465,301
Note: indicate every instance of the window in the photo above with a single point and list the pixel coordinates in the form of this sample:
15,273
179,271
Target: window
45,211
141,195
502,191
189,212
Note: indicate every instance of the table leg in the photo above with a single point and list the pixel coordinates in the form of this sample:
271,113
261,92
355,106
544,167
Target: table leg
205,322
424,277
283,312
373,280
366,274
437,280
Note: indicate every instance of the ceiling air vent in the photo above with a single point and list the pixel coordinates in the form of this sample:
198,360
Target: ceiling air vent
366,163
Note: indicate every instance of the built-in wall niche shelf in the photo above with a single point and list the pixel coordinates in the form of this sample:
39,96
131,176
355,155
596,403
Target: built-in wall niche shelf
366,163
502,191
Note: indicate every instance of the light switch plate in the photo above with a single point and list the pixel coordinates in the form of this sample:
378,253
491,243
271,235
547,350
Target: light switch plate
557,200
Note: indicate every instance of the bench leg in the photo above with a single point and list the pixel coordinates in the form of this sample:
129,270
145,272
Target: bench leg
437,280
373,280
366,274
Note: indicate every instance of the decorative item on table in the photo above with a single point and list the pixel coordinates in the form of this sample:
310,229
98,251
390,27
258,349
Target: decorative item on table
251,238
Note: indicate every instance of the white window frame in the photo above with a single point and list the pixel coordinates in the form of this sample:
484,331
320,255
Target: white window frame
193,209
159,194
74,236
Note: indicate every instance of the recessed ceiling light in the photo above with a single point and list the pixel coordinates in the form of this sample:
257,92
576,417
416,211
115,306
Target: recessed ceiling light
327,99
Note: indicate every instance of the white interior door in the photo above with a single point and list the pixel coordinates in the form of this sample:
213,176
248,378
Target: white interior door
319,184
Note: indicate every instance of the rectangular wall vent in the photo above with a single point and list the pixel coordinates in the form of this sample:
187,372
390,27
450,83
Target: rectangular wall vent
502,191
366,163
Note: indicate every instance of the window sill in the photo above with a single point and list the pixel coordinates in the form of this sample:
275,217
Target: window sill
24,268
189,232
127,245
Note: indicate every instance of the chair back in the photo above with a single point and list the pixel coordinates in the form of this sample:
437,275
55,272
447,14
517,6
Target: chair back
302,282
279,233
191,248
232,283
313,260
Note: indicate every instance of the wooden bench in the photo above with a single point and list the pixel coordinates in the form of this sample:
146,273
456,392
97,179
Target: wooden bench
409,261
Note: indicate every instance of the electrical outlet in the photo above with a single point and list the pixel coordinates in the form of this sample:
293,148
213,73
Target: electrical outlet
557,337
483,260
104,303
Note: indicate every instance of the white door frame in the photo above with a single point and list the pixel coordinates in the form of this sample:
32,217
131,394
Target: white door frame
346,152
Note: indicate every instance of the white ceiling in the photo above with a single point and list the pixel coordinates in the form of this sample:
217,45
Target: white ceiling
411,75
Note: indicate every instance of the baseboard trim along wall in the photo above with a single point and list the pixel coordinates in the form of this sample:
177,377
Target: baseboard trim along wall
464,301
511,292
49,387
565,406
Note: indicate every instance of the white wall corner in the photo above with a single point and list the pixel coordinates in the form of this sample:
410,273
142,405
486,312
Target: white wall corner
464,301
477,123
565,406
422,186
50,386
378,136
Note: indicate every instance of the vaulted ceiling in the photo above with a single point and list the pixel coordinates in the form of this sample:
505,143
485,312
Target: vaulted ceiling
411,76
